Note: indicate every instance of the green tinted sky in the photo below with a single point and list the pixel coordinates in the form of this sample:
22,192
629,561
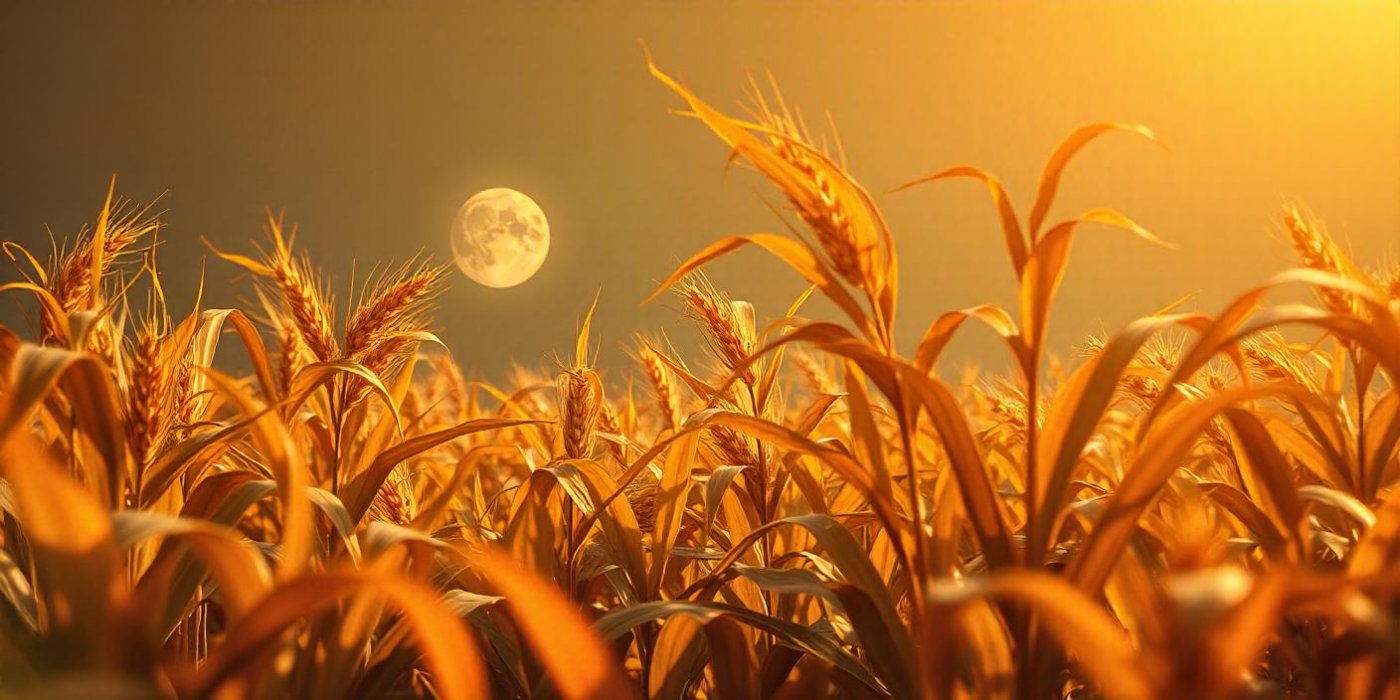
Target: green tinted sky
371,123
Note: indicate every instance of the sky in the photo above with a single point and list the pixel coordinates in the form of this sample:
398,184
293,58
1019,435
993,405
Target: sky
370,123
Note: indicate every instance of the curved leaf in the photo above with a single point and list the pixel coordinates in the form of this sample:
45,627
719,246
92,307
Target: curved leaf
1062,155
1010,227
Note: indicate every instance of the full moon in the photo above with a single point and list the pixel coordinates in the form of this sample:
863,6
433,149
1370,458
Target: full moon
500,237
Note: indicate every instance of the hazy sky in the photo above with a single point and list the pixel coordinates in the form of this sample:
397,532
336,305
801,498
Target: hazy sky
372,122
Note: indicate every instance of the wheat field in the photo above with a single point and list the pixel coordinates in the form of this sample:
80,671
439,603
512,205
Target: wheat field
286,501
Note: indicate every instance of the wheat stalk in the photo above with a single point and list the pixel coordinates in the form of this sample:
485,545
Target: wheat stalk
394,502
608,422
72,281
662,382
307,305
451,376
733,447
816,374
579,407
820,204
71,278
1007,407
1317,249
396,305
730,334
185,400
1272,360
641,496
147,385
1143,389
387,326
290,352
385,355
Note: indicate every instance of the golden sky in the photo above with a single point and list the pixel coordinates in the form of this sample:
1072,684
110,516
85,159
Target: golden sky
371,122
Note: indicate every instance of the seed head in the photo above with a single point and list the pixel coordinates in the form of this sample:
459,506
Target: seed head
728,325
579,405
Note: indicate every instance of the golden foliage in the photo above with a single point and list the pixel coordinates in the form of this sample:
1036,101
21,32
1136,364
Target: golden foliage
1200,507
